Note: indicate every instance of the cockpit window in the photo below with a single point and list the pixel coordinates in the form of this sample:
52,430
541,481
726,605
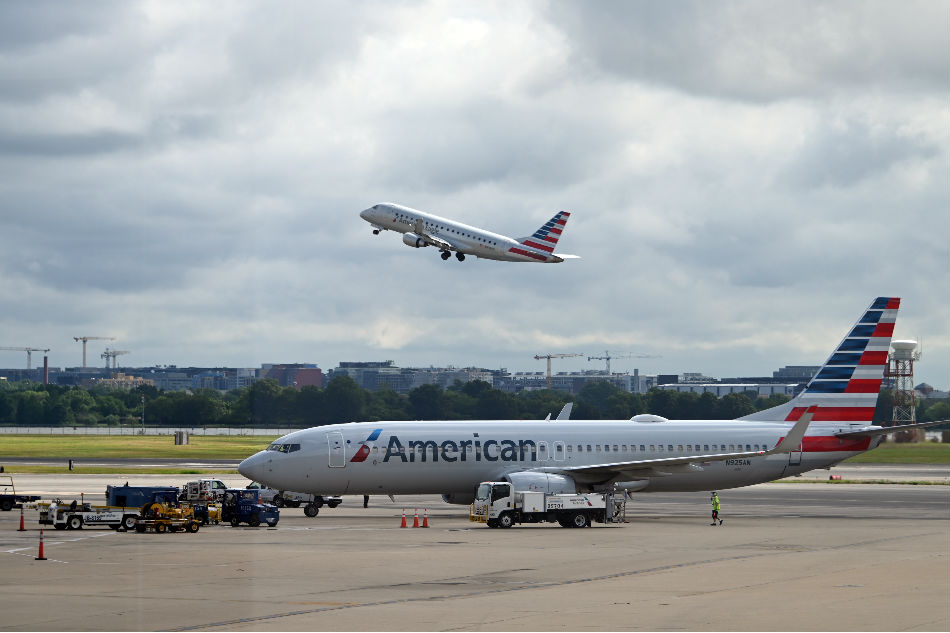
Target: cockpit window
284,448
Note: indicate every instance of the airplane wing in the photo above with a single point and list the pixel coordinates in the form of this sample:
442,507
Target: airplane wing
871,432
432,240
663,466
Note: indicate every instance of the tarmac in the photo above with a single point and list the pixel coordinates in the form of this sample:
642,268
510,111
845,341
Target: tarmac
789,557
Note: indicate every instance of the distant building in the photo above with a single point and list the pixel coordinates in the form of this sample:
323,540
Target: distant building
294,375
795,373
721,389
385,375
567,382
123,381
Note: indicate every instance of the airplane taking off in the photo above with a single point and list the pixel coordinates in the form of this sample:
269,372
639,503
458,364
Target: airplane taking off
421,229
829,421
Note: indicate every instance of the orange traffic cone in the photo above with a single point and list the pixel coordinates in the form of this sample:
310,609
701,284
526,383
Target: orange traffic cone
403,518
22,527
41,556
415,519
425,518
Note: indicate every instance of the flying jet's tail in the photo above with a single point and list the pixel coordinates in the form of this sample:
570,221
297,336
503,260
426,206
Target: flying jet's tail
846,387
545,238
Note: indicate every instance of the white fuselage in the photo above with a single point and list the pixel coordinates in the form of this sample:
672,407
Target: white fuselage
453,457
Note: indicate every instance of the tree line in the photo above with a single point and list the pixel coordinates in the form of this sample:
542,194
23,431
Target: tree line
266,404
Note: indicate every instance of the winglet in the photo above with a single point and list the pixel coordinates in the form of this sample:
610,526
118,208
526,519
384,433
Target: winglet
793,440
565,413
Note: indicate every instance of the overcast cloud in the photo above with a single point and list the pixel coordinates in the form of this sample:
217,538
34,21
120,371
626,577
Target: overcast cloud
743,177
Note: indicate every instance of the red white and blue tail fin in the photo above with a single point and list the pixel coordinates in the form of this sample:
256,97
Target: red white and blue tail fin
545,238
846,387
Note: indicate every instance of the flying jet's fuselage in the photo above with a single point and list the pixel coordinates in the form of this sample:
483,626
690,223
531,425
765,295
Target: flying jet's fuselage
421,229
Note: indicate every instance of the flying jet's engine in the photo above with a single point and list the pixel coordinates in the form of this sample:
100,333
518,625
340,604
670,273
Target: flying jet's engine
542,482
460,498
413,240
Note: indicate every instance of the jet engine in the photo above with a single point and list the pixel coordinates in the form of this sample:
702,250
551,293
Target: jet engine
542,482
413,240
460,498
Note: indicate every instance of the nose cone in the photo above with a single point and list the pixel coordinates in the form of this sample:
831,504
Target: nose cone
367,214
253,466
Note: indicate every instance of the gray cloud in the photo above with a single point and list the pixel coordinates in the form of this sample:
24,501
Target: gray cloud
742,177
763,50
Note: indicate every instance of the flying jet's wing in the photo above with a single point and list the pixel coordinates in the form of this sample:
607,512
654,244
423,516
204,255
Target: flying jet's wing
432,240
872,431
663,466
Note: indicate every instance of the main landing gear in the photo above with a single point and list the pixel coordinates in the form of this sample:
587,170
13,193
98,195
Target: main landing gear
459,256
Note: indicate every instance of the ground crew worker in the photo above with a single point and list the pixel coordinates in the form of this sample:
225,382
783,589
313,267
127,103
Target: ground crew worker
715,509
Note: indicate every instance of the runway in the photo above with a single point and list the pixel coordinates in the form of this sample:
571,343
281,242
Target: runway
788,557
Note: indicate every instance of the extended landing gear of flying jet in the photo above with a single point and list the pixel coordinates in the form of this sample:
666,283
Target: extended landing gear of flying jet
460,257
375,231
446,255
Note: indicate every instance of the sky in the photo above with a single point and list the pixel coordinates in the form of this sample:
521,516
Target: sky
743,179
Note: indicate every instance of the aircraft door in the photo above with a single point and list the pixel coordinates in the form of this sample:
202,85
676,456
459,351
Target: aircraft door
337,449
795,457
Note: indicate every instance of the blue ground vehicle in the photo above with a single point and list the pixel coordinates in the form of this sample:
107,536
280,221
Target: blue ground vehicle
244,506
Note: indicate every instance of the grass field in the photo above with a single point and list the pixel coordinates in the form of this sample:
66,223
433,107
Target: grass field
81,447
891,453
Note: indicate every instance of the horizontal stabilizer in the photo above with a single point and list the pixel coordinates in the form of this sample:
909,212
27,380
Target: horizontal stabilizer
890,429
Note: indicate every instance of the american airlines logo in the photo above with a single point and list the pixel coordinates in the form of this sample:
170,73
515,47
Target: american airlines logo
452,450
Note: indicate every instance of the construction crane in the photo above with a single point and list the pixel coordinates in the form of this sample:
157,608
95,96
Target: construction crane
29,353
549,357
112,353
86,339
607,357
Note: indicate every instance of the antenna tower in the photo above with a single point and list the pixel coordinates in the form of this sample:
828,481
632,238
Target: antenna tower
900,377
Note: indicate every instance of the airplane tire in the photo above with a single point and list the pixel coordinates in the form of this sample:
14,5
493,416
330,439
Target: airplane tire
460,257
446,255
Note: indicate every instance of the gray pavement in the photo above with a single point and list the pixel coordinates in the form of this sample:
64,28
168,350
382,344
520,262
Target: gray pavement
788,557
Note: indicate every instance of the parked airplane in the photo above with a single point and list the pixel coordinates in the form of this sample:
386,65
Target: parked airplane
421,229
826,423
